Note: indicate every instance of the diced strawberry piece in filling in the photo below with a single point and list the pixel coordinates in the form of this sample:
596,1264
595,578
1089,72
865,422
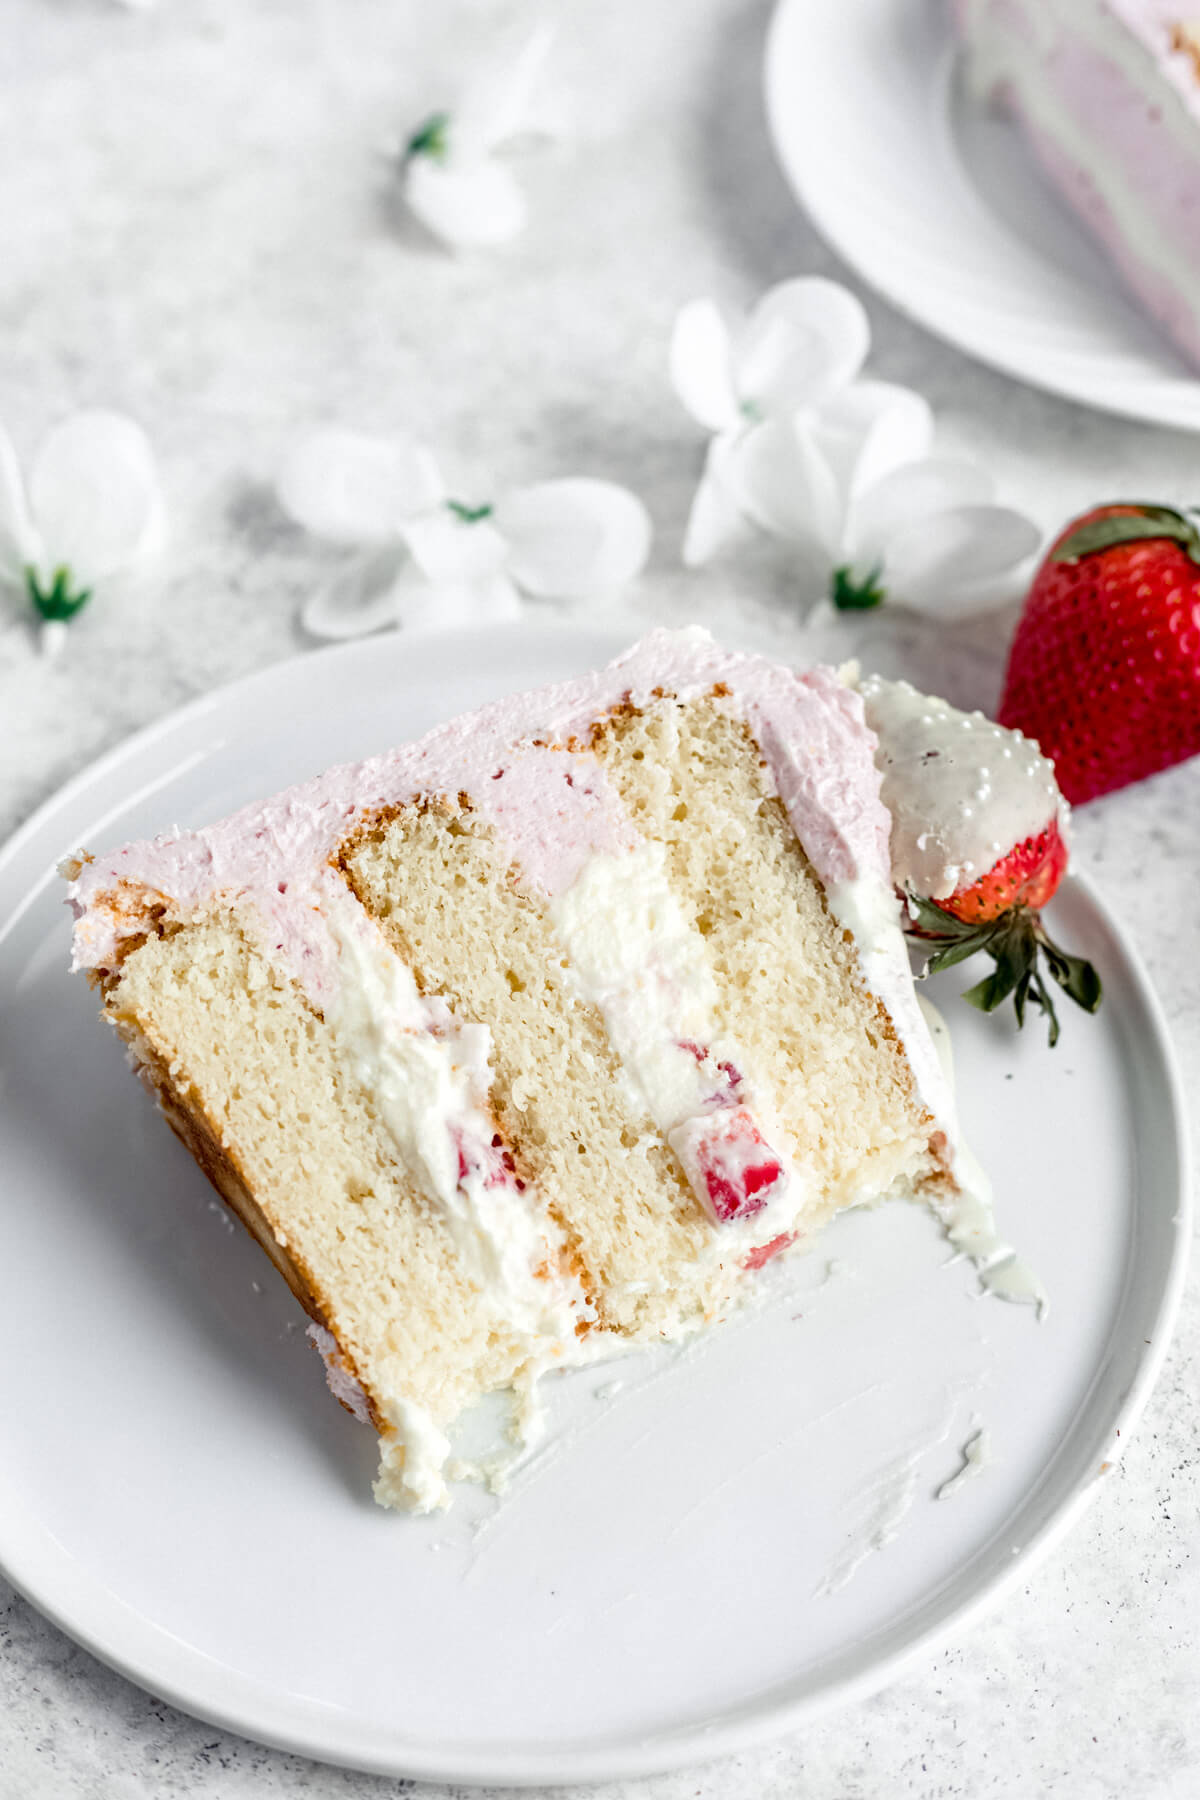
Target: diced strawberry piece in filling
728,1162
727,1090
492,1161
764,1252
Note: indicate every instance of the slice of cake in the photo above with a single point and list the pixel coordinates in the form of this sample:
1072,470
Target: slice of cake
538,1038
1108,95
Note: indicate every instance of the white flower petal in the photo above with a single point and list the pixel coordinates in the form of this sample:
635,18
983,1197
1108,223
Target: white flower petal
908,495
781,480
19,545
450,549
700,364
716,520
449,604
805,340
970,599
498,105
869,429
468,202
352,488
94,496
937,563
359,599
573,538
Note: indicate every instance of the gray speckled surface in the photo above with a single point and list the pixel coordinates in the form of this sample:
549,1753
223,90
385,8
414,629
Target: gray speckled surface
198,228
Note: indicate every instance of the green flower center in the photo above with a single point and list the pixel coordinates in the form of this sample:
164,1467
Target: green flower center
57,599
431,138
468,515
857,593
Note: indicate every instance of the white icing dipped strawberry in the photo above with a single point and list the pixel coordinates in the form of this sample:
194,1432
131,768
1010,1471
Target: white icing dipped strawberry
978,845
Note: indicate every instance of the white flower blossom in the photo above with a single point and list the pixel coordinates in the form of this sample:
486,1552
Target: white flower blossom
454,178
93,509
427,557
841,466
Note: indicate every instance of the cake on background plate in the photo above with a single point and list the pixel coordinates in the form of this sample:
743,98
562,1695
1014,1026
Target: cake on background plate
536,1039
1107,92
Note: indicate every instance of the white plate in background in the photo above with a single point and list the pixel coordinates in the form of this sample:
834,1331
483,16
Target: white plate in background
675,1578
938,204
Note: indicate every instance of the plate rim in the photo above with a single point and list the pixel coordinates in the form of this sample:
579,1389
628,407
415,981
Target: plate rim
312,1733
988,348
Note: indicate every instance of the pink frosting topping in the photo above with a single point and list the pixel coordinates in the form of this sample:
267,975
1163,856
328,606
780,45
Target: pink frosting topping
523,762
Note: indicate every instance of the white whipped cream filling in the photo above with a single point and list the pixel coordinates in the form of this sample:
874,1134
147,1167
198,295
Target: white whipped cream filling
636,957
429,1075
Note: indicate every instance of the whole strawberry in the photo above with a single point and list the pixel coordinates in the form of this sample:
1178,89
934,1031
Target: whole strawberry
1104,669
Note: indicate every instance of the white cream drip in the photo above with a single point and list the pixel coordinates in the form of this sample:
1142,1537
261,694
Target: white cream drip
413,1453
868,910
976,1454
967,1215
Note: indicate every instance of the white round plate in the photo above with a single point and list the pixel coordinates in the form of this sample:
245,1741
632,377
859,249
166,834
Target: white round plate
739,1536
937,203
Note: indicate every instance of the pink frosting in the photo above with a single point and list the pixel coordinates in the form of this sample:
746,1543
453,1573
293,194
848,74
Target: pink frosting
1153,24
551,806
341,1383
1170,306
1114,74
554,807
1102,98
1150,24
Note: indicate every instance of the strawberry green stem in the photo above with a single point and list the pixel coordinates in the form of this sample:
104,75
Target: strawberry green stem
1141,520
1018,945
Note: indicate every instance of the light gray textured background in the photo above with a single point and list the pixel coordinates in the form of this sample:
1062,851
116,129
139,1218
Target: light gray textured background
196,226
